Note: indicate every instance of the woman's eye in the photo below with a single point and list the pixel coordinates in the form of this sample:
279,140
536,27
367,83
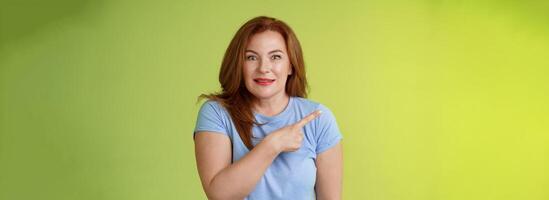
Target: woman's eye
276,57
250,58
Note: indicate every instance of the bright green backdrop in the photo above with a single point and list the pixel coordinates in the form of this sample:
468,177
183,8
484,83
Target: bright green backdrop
436,99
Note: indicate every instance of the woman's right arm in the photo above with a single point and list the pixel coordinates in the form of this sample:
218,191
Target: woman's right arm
223,180
220,179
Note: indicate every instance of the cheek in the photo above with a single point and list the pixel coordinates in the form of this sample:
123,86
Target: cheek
282,69
247,72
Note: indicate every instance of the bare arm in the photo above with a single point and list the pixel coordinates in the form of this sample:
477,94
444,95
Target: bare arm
223,180
220,179
329,173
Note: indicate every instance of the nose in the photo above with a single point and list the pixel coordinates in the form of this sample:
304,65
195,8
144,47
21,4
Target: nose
265,67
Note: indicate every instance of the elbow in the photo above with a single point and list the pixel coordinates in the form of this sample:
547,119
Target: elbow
218,194
214,195
216,190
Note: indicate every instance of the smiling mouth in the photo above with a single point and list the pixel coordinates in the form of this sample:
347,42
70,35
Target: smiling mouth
264,81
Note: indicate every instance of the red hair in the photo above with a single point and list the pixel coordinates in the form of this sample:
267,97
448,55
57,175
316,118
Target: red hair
234,95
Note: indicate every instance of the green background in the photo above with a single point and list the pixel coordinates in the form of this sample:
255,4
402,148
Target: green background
435,99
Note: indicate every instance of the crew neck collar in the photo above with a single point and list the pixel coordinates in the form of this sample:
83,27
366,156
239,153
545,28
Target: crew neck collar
262,118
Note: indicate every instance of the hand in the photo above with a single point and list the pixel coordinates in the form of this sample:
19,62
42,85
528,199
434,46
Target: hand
289,138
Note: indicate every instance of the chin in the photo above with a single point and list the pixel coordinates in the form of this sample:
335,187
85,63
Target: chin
263,95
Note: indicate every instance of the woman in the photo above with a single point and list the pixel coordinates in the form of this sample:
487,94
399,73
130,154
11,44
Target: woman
259,138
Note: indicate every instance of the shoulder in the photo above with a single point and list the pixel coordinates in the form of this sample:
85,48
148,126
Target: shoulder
212,107
310,105
212,104
212,117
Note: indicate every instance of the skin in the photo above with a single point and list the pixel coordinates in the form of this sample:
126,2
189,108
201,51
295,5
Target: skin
266,57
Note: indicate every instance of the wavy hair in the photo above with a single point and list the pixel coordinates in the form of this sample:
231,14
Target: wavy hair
234,95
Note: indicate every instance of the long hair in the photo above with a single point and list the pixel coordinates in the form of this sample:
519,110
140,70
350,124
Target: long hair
234,95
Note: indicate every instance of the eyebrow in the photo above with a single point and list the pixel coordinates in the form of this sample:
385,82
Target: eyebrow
270,52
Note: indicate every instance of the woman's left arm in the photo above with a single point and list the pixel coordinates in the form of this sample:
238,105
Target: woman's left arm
329,173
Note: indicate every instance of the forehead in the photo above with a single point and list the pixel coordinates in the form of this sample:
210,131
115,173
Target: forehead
266,41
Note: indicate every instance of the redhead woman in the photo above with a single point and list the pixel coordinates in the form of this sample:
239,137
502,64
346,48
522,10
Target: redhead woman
260,137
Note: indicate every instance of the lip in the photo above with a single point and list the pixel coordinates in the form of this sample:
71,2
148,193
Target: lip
264,81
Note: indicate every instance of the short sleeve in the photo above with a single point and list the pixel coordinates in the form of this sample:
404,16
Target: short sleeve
328,133
210,118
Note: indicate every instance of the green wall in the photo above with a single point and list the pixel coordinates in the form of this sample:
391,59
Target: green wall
436,99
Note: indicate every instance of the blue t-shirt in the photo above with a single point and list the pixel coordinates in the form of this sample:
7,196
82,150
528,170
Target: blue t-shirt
292,175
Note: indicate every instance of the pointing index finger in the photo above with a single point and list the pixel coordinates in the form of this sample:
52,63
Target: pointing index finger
308,118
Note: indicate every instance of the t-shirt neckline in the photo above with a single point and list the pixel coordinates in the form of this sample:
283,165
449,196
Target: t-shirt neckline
262,118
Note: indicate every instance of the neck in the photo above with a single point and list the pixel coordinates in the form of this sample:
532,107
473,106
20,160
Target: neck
271,106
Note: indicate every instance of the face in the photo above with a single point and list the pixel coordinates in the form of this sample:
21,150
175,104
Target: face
266,65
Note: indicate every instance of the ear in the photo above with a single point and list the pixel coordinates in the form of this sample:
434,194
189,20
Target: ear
291,70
